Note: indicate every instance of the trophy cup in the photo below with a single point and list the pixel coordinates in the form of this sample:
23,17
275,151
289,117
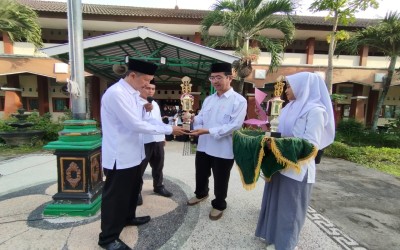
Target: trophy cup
276,106
187,102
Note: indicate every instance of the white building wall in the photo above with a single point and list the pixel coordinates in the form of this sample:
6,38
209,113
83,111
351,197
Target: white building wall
380,62
294,58
28,84
21,48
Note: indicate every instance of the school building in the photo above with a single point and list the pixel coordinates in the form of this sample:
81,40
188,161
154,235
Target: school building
171,38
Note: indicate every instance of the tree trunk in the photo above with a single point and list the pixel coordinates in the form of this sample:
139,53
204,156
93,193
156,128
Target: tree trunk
385,88
241,85
332,46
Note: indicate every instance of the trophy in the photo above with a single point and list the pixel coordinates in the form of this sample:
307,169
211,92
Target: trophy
276,106
187,102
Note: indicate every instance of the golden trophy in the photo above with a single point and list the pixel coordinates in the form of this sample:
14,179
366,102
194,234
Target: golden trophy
276,106
187,102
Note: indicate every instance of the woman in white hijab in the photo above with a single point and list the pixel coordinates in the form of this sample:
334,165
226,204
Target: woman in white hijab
308,115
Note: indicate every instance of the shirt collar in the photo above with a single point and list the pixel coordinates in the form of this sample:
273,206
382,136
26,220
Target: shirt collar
227,94
128,87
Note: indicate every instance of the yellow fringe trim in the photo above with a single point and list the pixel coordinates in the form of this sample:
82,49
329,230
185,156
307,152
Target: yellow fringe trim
261,154
286,163
309,157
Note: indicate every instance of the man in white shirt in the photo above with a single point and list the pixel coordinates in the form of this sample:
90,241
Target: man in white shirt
220,115
123,151
153,144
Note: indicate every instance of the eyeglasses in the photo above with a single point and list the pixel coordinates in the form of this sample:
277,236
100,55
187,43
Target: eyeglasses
215,78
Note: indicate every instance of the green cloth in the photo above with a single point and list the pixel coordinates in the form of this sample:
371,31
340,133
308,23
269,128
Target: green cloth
252,154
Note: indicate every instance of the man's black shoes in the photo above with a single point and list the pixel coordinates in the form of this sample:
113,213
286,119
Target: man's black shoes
163,192
116,245
140,200
138,221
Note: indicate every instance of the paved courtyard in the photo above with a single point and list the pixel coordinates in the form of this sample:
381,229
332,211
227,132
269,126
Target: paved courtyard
352,208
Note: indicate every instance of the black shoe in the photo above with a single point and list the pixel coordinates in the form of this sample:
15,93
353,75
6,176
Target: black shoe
138,221
116,245
140,200
163,192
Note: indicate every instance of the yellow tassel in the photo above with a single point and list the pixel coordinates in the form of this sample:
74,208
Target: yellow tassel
309,157
248,187
286,163
261,154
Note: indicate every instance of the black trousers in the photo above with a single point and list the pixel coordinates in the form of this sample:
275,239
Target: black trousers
221,169
119,199
155,156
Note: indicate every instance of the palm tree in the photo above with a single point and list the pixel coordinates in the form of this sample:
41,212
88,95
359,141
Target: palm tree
385,38
340,12
243,21
19,23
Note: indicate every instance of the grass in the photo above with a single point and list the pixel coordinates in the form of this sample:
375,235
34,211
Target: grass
193,148
386,160
9,152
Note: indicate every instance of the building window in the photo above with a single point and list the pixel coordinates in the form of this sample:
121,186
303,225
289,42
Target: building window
389,111
344,110
30,103
60,104
345,90
2,103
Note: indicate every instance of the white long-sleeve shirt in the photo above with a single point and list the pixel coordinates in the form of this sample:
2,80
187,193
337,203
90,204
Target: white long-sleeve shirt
221,115
122,127
310,127
154,114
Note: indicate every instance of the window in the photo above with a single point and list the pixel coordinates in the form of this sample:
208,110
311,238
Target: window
345,90
60,104
344,110
2,103
389,111
30,103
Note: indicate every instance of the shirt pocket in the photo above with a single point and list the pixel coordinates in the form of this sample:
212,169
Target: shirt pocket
225,118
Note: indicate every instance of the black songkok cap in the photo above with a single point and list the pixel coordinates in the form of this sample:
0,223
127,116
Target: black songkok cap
147,68
221,67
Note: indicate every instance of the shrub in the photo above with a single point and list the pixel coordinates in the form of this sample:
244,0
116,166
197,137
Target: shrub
353,133
350,128
394,125
5,127
343,151
46,124
384,159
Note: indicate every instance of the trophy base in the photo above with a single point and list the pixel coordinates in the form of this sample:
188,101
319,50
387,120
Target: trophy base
273,134
186,126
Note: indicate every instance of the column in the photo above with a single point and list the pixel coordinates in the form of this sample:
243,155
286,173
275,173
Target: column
43,94
363,56
8,44
310,47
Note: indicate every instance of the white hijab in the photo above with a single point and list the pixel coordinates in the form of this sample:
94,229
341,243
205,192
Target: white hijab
310,92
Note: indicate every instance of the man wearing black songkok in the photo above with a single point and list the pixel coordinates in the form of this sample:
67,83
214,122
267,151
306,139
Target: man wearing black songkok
123,151
222,113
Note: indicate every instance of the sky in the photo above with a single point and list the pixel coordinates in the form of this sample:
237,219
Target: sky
385,5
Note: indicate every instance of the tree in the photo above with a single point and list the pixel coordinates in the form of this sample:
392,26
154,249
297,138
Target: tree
340,12
19,23
243,21
385,38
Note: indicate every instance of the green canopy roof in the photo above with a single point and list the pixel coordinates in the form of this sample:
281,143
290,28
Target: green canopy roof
176,57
